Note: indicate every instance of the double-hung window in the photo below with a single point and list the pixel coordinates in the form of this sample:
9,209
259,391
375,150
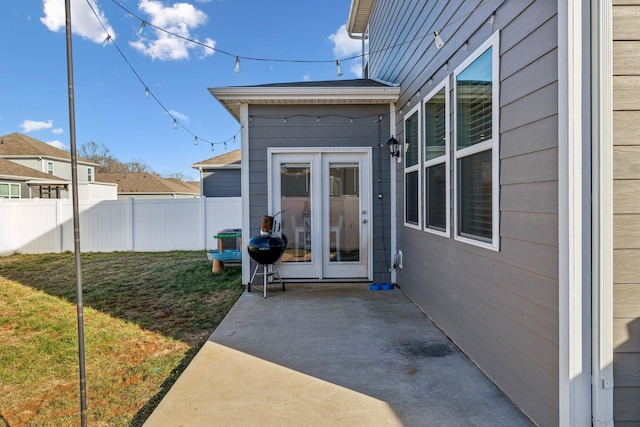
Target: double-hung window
50,168
436,160
476,147
412,181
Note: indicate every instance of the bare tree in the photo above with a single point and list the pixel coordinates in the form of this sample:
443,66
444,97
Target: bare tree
100,154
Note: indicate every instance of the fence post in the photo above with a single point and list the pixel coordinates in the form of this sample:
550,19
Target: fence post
59,225
131,230
203,222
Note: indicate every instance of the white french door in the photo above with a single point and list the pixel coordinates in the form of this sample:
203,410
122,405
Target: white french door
324,204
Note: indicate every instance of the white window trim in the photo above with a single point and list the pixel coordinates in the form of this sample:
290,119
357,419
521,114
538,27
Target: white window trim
414,168
494,143
10,184
441,159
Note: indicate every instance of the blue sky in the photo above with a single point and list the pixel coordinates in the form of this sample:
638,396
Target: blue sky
110,103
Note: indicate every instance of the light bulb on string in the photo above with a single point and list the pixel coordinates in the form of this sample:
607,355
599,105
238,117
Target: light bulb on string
106,40
142,25
236,69
175,124
146,92
438,39
338,68
195,140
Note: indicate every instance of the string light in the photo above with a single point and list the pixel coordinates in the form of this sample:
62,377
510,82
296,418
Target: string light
195,140
109,39
439,42
436,35
146,92
146,87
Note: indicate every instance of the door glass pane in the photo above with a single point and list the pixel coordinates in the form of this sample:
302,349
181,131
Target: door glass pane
295,203
344,212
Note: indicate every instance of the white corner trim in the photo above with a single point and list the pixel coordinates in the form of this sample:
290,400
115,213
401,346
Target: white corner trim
602,214
393,193
574,382
244,184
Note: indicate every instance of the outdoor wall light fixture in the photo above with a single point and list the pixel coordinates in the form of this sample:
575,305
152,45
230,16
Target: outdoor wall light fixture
392,144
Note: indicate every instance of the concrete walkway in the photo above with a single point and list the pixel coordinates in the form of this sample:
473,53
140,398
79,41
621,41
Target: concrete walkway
331,356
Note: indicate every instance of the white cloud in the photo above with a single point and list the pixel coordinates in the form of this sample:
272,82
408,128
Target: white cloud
83,20
344,47
180,19
31,125
59,145
57,131
306,77
178,115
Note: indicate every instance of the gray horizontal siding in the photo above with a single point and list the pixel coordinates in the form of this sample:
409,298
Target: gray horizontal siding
626,225
335,129
501,307
221,183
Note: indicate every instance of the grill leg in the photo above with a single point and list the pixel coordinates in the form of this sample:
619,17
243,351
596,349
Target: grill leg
264,281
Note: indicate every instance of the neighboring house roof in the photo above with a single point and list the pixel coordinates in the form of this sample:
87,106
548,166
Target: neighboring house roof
17,145
146,183
330,92
14,170
191,186
230,160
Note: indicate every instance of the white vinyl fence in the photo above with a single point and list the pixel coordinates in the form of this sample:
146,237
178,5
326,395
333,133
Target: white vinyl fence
46,225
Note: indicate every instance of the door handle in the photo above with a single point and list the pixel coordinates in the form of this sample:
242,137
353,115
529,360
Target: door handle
364,220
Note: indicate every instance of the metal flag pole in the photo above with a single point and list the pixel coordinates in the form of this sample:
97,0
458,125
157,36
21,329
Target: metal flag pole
76,220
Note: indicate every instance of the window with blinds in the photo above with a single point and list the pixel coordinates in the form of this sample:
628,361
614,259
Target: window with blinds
436,160
412,180
476,147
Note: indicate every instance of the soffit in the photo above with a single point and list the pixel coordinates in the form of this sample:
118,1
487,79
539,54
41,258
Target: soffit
359,16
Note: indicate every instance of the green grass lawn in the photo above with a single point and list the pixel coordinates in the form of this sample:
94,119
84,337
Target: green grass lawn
146,315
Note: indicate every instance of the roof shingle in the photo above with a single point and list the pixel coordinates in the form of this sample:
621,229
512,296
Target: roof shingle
17,144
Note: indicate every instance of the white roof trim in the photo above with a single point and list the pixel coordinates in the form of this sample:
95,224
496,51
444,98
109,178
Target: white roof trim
233,97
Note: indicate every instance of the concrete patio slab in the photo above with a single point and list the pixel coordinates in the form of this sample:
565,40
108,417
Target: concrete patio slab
332,356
